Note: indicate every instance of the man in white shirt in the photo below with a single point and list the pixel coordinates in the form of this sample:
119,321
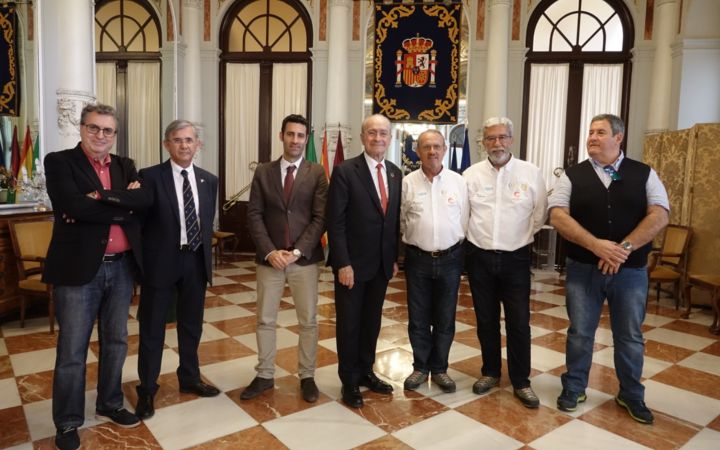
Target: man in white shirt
433,220
508,202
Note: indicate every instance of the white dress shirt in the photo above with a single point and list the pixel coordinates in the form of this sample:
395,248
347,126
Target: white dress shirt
178,179
372,165
434,214
507,206
284,164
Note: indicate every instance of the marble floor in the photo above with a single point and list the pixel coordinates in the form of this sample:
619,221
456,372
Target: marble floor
681,375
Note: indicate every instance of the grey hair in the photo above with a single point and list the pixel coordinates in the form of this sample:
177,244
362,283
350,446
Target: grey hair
434,131
179,125
374,116
616,124
98,108
491,122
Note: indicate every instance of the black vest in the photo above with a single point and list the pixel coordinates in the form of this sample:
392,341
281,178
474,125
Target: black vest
610,213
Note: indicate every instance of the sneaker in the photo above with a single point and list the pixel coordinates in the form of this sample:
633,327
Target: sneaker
444,382
120,417
67,439
415,379
569,400
636,409
484,384
527,397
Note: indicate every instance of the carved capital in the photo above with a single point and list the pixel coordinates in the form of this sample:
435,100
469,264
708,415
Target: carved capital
69,106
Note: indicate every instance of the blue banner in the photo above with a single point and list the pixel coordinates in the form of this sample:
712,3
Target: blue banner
417,61
9,88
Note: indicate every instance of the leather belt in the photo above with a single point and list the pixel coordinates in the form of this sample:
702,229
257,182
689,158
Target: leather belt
436,253
523,248
112,257
186,248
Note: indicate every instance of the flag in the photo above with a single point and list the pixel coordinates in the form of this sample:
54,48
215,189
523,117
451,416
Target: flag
409,157
2,150
27,158
36,154
15,154
465,163
453,158
310,150
339,156
325,155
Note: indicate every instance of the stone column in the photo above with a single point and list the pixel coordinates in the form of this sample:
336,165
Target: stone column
336,103
664,31
191,95
496,72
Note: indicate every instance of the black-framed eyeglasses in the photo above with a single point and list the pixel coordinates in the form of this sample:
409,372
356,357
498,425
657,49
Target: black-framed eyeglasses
94,129
614,175
501,138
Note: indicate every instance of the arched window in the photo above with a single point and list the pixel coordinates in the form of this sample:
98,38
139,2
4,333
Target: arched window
265,74
127,40
578,66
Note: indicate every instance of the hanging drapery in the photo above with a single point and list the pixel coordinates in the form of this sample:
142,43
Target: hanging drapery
546,118
242,103
417,61
9,86
289,96
602,93
106,89
144,134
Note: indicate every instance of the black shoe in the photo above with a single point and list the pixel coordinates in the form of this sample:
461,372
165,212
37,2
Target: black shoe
121,417
67,439
636,409
351,395
200,389
569,400
256,387
375,384
309,390
144,408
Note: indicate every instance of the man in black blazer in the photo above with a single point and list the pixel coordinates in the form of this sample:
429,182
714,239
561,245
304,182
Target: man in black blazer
363,227
177,252
286,217
92,261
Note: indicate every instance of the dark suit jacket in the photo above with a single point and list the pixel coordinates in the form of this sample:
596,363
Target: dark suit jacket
359,233
76,249
305,213
161,230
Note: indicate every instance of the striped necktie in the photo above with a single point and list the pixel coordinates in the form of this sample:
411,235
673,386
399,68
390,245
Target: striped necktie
192,227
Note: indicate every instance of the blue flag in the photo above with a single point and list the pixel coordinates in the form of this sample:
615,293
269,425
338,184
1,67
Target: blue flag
465,163
409,157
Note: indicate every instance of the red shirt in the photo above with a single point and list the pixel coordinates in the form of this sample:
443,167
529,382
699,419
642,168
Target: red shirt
117,240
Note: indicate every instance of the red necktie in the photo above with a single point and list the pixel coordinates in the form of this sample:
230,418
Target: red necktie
383,193
287,187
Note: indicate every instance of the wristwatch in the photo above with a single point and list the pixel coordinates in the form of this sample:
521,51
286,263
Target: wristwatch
296,253
626,245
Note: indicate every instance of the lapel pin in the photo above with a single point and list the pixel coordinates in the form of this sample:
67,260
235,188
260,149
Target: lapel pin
202,180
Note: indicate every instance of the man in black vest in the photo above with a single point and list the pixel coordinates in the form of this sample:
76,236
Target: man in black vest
609,208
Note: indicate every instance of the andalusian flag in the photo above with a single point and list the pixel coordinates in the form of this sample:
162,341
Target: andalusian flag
310,150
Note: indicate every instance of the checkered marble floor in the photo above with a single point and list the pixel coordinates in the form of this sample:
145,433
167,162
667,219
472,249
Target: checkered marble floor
681,375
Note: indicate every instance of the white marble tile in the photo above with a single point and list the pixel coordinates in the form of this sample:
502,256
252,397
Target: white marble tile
542,358
557,311
703,361
225,313
38,361
386,322
463,393
392,290
542,287
233,374
323,300
251,284
284,339
169,364
651,366
240,298
220,281
706,439
133,311
458,432
333,427
678,339
39,419
133,327
656,320
326,285
9,395
389,304
538,331
327,276
331,344
680,403
461,326
458,352
3,347
233,272
197,421
548,388
209,333
701,317
581,435
328,381
25,446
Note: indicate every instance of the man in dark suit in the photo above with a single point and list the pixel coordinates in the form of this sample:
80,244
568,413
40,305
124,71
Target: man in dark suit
286,217
363,228
177,251
93,257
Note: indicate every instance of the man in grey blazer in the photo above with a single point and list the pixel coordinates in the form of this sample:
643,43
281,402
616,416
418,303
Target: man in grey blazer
286,217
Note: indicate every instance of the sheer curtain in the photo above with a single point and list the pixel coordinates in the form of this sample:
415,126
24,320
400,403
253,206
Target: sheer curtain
546,118
144,141
106,86
242,102
289,95
602,93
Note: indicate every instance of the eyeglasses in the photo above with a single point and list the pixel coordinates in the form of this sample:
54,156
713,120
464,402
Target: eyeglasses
94,129
501,138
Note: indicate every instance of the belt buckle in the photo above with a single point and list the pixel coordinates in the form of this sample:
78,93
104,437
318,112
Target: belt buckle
436,253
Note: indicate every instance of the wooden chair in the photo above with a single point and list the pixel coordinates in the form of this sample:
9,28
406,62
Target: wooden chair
709,283
31,239
668,263
220,239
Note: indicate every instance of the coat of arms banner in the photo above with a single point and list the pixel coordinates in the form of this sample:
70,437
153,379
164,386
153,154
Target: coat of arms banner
9,92
417,61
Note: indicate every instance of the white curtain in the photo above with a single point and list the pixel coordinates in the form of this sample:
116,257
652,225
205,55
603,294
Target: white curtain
602,93
546,118
143,103
289,96
242,102
106,87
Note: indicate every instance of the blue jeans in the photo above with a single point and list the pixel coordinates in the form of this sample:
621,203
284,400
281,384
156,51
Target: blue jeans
432,293
586,290
107,299
502,277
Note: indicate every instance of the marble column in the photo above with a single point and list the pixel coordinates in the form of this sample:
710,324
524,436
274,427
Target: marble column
664,31
191,96
496,72
336,106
